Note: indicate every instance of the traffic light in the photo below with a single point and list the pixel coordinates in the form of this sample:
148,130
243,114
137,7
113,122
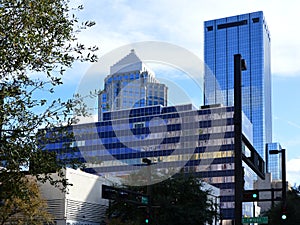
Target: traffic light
250,195
283,214
147,219
147,216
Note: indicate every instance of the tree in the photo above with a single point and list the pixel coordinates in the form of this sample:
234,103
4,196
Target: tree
292,210
37,44
27,210
177,200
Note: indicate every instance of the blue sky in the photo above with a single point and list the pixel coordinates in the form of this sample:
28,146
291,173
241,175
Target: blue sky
121,22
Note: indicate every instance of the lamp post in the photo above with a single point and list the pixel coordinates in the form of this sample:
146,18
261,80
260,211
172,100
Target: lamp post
283,169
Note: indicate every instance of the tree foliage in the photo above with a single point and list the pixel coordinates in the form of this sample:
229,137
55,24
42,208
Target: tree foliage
30,209
37,45
177,200
292,209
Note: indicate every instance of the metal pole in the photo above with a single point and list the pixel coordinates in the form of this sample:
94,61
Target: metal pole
283,162
253,209
272,197
238,174
149,188
149,193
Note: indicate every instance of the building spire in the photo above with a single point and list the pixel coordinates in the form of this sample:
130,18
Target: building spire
126,63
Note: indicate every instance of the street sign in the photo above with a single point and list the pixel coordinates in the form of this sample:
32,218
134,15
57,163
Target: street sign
119,194
260,220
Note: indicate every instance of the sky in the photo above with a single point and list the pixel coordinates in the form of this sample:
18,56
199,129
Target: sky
121,22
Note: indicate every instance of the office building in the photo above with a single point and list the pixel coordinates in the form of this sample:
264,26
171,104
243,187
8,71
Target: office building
249,36
130,84
172,137
270,183
274,161
82,203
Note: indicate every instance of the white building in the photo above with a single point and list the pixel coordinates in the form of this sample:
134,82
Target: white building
81,204
270,184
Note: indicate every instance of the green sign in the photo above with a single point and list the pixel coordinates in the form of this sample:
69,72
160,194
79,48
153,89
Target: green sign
255,219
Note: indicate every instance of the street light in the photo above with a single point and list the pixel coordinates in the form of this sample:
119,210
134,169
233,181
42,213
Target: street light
283,169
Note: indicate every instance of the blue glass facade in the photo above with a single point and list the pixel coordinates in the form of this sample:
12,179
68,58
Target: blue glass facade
199,141
247,35
274,161
130,85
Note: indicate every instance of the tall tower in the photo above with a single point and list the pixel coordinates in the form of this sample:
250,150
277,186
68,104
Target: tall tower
130,84
248,35
274,162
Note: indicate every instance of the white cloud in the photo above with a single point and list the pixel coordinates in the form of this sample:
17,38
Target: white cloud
293,171
120,22
179,22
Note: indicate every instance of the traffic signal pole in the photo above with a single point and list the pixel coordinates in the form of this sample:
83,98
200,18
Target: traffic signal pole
149,219
283,164
238,171
283,185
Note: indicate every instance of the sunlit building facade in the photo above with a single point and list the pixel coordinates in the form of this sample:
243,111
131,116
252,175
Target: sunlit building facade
194,140
249,36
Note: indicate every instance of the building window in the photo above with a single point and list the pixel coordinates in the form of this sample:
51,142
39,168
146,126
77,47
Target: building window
255,20
139,125
233,24
210,28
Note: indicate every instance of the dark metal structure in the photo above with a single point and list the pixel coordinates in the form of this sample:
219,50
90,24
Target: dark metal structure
255,162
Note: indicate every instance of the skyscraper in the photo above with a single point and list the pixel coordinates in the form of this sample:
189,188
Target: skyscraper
130,84
274,162
249,36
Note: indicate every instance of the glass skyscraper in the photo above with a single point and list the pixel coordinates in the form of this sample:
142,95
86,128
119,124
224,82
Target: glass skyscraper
249,36
274,161
130,84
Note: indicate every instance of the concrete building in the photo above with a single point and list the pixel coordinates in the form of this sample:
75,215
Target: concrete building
269,183
81,204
